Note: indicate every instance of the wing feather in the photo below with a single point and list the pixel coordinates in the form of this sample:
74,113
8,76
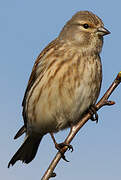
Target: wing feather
34,75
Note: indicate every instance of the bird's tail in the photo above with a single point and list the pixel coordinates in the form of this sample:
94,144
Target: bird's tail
27,151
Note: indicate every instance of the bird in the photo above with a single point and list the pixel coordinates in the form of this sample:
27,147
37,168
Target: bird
65,82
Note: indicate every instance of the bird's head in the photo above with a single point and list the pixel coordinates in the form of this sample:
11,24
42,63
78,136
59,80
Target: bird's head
84,29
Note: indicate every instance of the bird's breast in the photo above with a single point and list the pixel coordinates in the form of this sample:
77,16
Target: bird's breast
64,93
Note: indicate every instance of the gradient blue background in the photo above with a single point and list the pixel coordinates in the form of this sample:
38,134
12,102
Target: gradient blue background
26,27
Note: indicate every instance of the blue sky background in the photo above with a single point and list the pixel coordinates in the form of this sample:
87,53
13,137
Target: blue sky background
26,27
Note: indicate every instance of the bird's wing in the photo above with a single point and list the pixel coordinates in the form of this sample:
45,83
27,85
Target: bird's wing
33,77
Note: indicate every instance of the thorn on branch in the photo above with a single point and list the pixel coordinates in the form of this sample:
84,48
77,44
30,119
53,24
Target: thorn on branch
53,175
108,103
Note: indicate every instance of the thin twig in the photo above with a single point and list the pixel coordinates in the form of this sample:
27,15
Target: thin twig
74,130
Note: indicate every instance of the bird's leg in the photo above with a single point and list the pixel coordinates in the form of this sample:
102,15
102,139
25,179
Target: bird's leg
93,112
60,147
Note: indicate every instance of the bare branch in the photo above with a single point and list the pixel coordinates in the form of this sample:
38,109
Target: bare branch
103,102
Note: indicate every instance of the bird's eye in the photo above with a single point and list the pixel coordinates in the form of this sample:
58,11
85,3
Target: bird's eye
86,26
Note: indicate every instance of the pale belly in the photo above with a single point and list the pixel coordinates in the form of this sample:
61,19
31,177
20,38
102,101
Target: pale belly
53,112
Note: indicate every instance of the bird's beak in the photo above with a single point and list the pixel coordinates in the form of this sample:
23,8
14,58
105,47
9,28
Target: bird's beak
103,31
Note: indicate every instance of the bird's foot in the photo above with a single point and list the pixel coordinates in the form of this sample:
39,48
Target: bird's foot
93,112
60,147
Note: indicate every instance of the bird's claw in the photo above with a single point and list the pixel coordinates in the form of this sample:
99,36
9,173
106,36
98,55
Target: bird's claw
63,157
93,112
60,147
